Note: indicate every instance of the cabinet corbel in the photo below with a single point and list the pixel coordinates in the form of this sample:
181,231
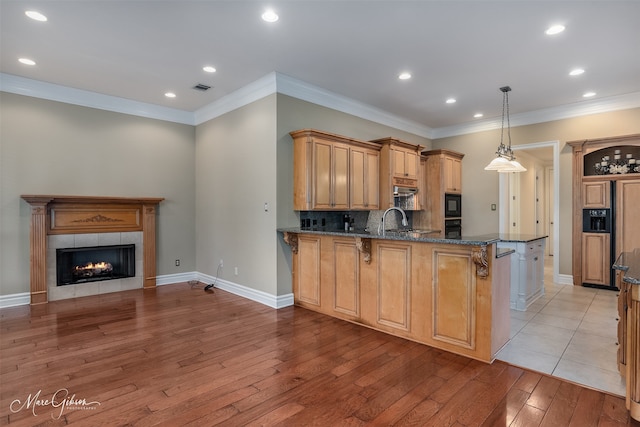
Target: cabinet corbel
291,239
364,246
479,256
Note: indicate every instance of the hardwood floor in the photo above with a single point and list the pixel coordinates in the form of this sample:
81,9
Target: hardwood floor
178,355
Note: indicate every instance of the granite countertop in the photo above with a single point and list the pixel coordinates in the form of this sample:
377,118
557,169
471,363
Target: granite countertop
629,262
413,235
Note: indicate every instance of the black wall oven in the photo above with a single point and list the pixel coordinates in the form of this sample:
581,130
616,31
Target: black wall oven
453,229
452,205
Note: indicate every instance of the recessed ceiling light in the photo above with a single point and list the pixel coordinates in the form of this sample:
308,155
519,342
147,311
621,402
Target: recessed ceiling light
37,16
576,72
451,101
27,61
404,76
270,16
209,69
554,29
170,95
588,94
478,115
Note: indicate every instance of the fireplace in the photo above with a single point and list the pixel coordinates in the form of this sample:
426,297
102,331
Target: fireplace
59,222
96,263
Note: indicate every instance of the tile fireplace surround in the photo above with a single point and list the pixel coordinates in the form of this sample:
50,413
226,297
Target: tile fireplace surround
79,217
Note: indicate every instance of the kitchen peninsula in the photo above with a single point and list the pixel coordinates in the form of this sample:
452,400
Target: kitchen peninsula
451,294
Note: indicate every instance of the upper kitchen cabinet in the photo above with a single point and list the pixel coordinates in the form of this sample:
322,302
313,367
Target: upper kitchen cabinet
444,170
364,189
596,194
333,172
399,167
452,167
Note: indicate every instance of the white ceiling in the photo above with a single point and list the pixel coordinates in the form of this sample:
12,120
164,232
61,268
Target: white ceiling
464,49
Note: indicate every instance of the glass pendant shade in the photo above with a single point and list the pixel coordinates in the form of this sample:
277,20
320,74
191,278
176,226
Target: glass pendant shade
505,161
497,164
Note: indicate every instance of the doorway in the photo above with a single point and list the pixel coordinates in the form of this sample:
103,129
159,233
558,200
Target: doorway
543,201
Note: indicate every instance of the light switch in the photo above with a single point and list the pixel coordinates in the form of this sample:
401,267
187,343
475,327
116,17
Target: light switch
493,206
266,207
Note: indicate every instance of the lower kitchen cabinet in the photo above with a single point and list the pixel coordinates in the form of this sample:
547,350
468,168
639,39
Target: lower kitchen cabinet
449,296
527,271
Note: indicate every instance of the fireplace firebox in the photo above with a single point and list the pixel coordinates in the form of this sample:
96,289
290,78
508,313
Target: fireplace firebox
95,263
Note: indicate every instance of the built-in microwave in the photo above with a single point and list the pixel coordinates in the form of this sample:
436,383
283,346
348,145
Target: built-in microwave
452,205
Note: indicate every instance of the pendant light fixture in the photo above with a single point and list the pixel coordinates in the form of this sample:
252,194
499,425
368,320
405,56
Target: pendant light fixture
505,161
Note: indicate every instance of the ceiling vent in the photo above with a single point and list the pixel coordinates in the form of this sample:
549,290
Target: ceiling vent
201,87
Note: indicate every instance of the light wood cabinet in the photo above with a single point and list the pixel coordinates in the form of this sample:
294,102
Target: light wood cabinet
399,166
596,258
452,166
364,179
344,277
333,172
452,297
593,191
627,215
441,173
405,163
330,172
393,290
306,277
596,194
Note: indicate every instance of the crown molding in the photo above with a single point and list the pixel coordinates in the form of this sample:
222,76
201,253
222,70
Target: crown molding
585,108
280,83
290,86
252,92
53,92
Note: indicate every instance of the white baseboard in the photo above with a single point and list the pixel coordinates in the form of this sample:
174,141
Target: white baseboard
272,301
564,279
14,300
168,279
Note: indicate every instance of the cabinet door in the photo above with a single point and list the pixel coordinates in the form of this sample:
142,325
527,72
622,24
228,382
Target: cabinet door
452,175
393,285
596,194
399,165
454,298
627,216
322,171
595,258
412,164
405,163
345,278
330,176
306,280
364,181
340,177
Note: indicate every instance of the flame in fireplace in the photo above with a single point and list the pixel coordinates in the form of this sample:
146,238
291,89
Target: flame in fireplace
92,269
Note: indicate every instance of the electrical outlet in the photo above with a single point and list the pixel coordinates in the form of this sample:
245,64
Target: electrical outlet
236,271
221,263
177,263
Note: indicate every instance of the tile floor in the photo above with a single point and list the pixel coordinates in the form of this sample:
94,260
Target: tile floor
569,333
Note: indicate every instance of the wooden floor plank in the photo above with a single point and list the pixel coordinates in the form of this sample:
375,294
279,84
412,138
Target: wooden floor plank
177,356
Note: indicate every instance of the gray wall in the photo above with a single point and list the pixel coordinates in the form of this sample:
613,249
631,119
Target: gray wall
480,187
235,177
50,147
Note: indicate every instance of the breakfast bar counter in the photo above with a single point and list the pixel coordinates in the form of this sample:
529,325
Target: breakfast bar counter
452,294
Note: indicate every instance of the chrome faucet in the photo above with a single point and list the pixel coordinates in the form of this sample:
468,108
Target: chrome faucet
404,218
